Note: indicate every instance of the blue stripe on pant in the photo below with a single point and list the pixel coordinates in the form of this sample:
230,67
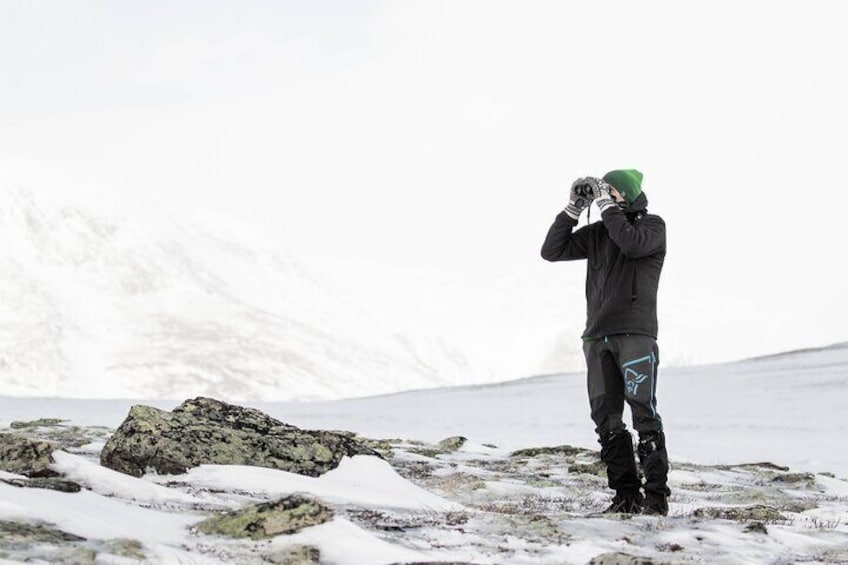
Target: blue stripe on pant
623,368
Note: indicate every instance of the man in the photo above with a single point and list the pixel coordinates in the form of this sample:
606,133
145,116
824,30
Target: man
625,254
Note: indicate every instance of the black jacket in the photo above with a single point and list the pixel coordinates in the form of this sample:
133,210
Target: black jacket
625,255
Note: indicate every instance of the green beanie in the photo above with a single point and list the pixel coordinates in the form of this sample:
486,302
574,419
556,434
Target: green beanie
627,181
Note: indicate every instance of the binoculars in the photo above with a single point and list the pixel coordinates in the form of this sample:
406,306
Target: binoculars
584,190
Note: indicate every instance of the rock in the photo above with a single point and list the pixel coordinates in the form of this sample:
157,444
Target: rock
208,431
294,555
53,430
596,468
756,512
756,528
762,465
385,447
51,483
123,547
17,534
557,450
25,456
268,519
41,422
619,558
795,478
451,444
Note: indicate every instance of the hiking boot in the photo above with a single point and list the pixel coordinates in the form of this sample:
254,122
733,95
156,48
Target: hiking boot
655,505
625,502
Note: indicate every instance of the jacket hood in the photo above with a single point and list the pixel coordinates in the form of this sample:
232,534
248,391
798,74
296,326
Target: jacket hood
638,205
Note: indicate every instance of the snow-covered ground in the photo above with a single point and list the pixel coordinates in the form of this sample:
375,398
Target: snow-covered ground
758,475
787,408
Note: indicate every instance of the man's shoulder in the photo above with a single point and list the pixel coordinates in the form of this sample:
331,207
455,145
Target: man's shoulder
652,218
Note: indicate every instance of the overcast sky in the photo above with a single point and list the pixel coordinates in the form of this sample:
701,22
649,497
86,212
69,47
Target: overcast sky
445,135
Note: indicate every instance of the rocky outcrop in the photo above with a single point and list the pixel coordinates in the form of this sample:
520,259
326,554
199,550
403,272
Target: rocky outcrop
208,431
268,519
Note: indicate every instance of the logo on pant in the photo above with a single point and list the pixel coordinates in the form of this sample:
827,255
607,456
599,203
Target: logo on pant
632,380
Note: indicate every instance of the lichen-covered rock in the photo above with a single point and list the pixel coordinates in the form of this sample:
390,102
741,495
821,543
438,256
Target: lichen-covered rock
39,423
451,444
595,468
555,450
50,483
56,431
123,547
619,558
294,555
795,478
756,528
18,534
756,512
25,456
208,431
268,519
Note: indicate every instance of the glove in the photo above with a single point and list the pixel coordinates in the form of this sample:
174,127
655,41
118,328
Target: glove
579,198
600,188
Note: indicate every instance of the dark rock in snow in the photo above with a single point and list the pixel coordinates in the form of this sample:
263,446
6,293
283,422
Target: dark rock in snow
756,528
41,422
619,558
25,456
268,519
451,444
556,450
208,431
294,555
50,483
795,478
757,512
26,533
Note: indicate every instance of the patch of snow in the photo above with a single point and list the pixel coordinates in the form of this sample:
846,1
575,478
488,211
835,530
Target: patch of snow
361,480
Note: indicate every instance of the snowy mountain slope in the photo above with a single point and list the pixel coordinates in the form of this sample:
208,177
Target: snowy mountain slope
103,298
112,297
509,322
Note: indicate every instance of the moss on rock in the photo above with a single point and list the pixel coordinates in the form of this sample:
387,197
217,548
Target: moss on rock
268,519
451,444
50,483
566,450
294,555
123,547
756,512
21,534
41,422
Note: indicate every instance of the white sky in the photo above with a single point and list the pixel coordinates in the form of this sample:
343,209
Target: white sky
445,135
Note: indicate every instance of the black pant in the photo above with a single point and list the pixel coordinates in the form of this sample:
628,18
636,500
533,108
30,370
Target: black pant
621,368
